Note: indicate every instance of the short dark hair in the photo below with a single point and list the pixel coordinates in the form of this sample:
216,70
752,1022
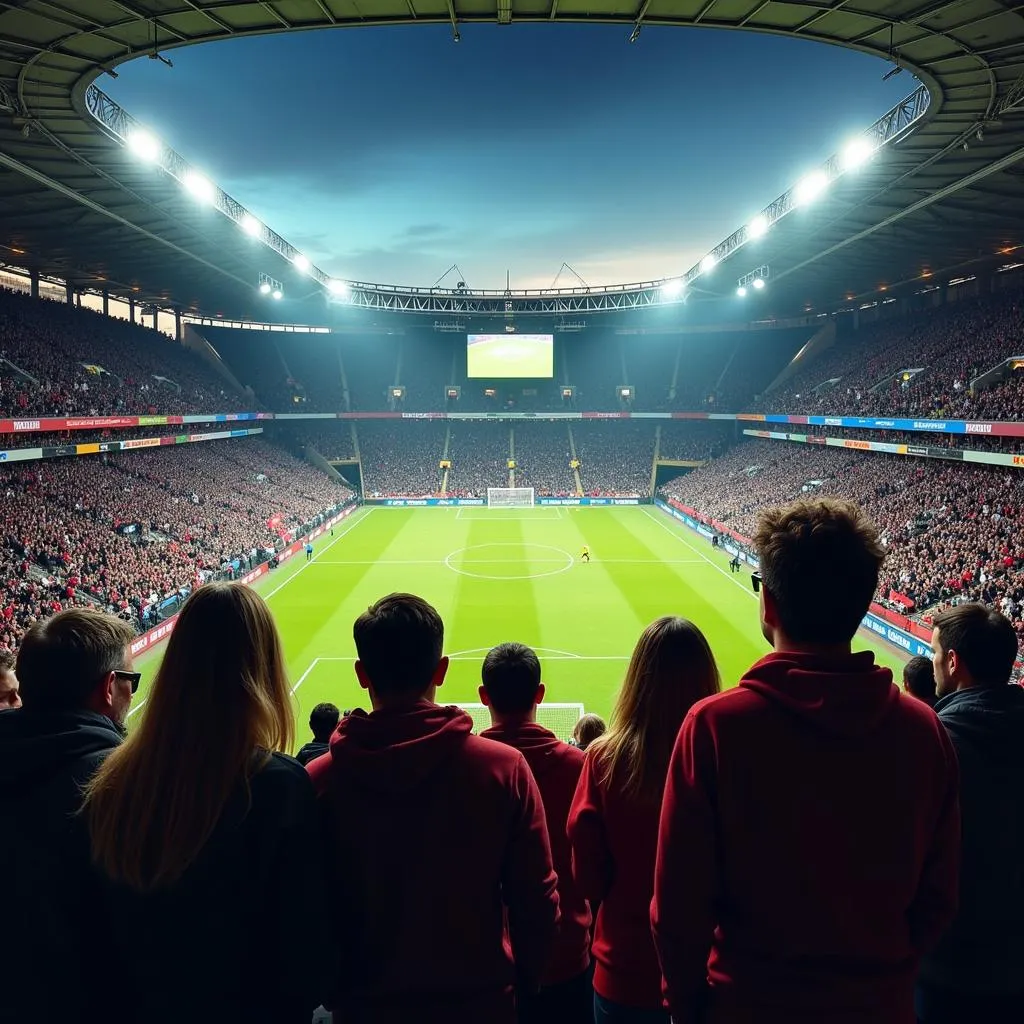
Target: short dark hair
819,560
984,641
919,679
399,642
511,675
323,720
63,659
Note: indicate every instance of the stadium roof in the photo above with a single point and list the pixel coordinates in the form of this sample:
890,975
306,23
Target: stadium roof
75,203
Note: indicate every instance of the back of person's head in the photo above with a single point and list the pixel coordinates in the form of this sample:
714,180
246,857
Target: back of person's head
672,668
66,660
974,646
511,679
399,642
587,729
819,564
919,679
219,704
9,698
323,720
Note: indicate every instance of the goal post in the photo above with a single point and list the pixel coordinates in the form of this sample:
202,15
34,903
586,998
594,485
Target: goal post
510,497
561,719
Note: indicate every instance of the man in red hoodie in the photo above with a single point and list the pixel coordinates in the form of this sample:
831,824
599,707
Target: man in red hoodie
437,837
809,839
512,689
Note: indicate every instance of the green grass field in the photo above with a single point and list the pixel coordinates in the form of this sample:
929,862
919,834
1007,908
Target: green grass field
510,574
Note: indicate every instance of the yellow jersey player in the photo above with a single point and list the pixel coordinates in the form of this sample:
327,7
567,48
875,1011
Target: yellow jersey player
585,556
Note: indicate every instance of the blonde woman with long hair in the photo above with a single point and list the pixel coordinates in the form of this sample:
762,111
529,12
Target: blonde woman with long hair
206,834
613,824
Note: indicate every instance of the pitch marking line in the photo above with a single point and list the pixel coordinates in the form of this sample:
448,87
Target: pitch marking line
685,540
517,561
357,519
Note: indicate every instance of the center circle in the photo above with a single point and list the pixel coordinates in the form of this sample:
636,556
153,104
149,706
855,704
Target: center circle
496,562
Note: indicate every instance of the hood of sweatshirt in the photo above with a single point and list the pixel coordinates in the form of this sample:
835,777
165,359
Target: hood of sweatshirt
847,695
541,747
398,750
36,747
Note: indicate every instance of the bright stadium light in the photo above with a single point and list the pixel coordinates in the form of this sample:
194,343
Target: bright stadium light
264,287
145,145
857,152
278,293
201,187
708,263
741,292
336,287
809,188
758,227
758,283
251,226
301,262
672,289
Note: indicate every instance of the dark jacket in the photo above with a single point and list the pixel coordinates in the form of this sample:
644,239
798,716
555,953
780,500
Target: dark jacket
48,898
311,751
556,766
983,951
220,944
435,835
808,848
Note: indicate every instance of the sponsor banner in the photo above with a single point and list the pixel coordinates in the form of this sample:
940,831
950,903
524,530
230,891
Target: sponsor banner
910,645
91,422
20,425
995,459
153,636
153,421
864,446
255,574
21,454
59,451
425,502
304,415
140,442
422,415
816,439
605,415
946,453
592,502
86,449
916,449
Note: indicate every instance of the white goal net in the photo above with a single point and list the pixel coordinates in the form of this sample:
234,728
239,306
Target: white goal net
510,497
561,719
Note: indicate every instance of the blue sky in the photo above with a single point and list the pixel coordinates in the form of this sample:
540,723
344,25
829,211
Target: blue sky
391,154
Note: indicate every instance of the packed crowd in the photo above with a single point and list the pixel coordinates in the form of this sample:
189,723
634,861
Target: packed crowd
479,454
401,457
948,345
135,369
543,455
953,532
812,845
615,458
695,440
126,532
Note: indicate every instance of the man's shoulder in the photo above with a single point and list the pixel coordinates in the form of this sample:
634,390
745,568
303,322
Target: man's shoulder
484,751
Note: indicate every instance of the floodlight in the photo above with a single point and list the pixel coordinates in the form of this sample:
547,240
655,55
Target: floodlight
278,293
808,189
202,188
758,283
250,225
741,292
672,289
758,227
857,152
301,262
264,287
708,263
144,145
336,287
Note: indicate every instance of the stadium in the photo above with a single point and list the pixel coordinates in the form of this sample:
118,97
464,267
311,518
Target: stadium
186,397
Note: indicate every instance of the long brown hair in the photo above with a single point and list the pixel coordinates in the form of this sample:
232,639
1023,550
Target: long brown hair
672,668
219,704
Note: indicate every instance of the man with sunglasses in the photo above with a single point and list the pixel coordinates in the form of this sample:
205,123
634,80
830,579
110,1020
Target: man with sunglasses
77,679
809,839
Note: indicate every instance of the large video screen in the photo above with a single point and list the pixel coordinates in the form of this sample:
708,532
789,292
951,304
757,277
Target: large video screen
510,355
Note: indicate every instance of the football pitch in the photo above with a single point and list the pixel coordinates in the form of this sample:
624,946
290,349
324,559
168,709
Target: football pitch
510,574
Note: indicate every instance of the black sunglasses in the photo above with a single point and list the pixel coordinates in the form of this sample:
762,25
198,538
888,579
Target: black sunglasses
132,677
755,582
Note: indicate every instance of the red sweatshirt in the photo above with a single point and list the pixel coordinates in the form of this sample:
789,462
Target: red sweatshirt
614,841
556,766
435,834
808,848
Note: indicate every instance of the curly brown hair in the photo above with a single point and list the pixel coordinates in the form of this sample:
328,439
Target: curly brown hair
820,560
